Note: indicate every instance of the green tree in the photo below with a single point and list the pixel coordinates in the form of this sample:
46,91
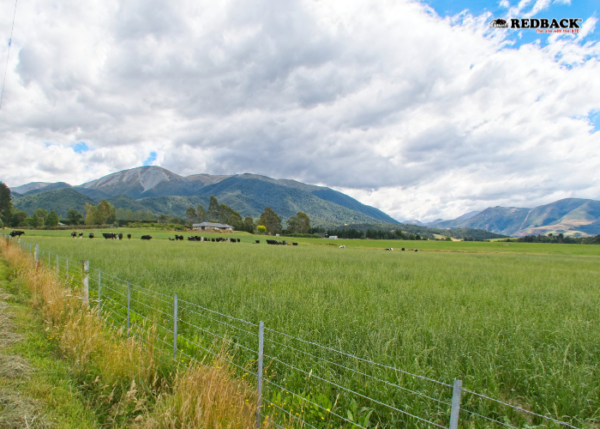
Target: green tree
213,208
202,215
18,218
90,214
261,229
1,223
41,215
163,218
299,224
52,219
74,217
103,213
6,207
248,224
191,215
33,221
270,220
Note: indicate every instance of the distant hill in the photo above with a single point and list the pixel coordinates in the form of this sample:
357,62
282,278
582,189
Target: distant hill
59,200
569,216
163,192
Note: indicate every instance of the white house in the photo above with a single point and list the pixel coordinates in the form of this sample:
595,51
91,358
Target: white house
212,225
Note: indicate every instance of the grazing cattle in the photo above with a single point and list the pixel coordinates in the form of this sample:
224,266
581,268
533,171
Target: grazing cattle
403,249
129,236
212,239
73,234
416,250
17,233
120,236
171,239
146,237
80,234
342,247
275,242
294,244
91,235
179,237
257,241
390,248
109,235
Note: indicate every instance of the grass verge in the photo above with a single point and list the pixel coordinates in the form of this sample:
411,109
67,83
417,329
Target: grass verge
103,379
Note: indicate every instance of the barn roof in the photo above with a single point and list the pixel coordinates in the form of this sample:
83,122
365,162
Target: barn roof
211,225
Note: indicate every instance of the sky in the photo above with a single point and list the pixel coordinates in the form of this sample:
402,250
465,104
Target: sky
417,108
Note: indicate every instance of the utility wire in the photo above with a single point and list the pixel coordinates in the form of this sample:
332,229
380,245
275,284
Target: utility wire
8,54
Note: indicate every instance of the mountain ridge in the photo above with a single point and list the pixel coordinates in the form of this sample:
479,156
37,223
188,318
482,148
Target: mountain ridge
568,216
164,192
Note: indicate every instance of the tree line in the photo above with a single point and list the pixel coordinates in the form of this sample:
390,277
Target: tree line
269,222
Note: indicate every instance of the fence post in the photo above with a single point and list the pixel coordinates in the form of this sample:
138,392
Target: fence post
99,294
36,256
86,282
261,335
128,305
175,327
454,414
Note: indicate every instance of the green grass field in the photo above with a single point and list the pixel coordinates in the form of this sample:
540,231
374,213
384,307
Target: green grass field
517,321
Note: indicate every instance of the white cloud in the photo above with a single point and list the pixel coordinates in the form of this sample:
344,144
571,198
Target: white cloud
419,115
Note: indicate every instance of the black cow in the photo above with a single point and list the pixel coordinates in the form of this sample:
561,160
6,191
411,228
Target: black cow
294,244
146,237
389,248
17,233
179,237
212,239
91,235
129,236
73,234
109,235
257,241
403,249
120,236
80,234
171,239
416,250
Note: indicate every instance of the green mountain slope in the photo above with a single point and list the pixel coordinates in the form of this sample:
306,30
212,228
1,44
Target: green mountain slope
250,196
59,200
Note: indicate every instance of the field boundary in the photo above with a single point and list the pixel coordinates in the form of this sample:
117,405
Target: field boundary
338,387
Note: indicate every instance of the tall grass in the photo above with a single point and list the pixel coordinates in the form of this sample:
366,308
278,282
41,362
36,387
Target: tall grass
127,381
523,328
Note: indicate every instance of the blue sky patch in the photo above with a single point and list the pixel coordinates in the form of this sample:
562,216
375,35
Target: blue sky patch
595,119
80,147
583,9
150,159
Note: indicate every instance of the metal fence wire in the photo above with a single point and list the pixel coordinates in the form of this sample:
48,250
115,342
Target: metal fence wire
298,383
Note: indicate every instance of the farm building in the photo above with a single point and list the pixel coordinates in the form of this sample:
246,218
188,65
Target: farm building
212,225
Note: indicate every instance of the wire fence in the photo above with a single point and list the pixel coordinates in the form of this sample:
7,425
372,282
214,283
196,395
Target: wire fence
298,383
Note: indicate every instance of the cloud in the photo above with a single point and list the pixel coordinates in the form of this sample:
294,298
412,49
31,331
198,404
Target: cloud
419,115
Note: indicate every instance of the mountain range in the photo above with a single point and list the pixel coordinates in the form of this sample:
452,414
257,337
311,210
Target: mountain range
163,192
569,216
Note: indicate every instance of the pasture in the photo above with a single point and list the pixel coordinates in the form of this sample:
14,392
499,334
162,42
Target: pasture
517,321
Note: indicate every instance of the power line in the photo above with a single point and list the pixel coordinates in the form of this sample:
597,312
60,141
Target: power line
8,54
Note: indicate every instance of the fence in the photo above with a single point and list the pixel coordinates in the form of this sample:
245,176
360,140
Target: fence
298,382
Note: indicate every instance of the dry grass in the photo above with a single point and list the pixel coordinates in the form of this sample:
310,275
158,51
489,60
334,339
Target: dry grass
19,412
124,381
205,397
13,366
